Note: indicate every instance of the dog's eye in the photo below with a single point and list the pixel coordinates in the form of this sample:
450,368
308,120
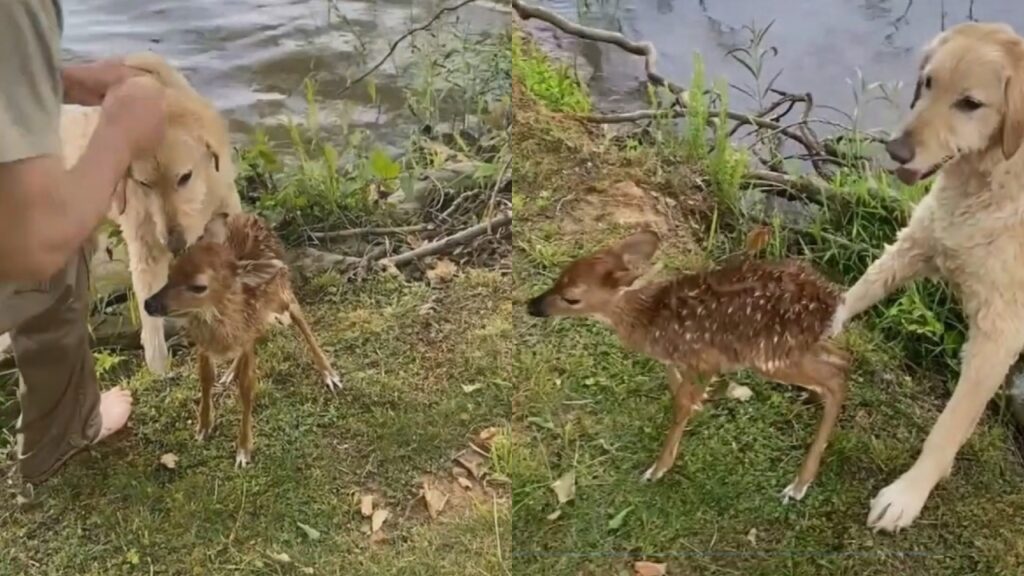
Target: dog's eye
197,289
144,184
968,104
927,82
570,301
184,178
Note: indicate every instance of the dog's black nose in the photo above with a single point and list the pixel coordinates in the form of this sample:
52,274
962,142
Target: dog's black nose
900,149
154,307
176,242
535,307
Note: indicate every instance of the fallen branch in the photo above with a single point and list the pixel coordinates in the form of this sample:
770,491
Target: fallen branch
402,38
371,231
446,244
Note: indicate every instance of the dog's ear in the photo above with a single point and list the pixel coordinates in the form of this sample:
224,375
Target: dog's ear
216,229
1013,118
258,272
215,156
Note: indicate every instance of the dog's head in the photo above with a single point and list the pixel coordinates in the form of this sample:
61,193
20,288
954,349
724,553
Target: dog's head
207,274
969,98
589,285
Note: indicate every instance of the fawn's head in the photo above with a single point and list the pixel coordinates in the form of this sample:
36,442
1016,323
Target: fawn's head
206,274
589,285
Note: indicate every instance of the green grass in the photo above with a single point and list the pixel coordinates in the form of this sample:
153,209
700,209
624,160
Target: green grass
404,412
587,406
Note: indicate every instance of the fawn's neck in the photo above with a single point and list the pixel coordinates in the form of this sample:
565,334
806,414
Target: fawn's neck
632,313
221,330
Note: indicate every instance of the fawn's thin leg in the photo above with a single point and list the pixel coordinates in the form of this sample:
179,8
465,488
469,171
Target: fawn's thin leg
330,377
207,375
246,378
825,377
687,394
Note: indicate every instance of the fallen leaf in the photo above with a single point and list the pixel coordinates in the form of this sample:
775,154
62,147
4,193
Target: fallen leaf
464,482
379,516
738,392
752,536
307,570
616,522
643,568
311,532
541,422
758,238
169,460
486,437
474,462
366,505
434,498
554,515
565,487
442,271
467,388
281,557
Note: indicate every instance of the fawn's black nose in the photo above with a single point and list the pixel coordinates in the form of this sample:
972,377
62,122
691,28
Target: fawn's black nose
155,307
535,307
900,149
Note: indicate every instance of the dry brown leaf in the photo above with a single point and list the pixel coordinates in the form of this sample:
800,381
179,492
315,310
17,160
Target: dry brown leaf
281,557
442,272
474,462
758,238
366,505
434,498
486,437
565,487
643,568
554,515
464,482
738,392
379,516
169,460
752,536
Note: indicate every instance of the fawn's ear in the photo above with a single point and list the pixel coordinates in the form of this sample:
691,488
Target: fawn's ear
216,229
638,249
258,272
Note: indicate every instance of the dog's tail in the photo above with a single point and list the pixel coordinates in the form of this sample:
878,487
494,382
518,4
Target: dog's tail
159,68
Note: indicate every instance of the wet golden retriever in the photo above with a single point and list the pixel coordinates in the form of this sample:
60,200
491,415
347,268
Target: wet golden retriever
167,199
966,125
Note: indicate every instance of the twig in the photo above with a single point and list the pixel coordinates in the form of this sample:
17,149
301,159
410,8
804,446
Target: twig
402,38
370,231
450,242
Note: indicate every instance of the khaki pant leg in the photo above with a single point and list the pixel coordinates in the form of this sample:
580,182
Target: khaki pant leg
59,394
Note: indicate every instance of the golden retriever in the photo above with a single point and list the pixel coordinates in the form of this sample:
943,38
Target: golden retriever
167,199
966,124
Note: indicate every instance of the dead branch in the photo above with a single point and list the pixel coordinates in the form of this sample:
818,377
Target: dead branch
400,39
371,231
446,244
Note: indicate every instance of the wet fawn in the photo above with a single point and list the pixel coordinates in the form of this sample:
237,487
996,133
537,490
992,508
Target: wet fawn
771,317
231,286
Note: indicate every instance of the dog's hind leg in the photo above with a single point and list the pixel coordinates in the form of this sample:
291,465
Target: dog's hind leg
330,377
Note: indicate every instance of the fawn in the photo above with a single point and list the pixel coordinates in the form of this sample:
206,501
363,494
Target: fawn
230,286
769,317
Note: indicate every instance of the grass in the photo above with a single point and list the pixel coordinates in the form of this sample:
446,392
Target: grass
117,511
585,405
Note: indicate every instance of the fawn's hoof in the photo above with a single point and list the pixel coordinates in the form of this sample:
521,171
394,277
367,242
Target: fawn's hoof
794,491
653,474
332,380
242,458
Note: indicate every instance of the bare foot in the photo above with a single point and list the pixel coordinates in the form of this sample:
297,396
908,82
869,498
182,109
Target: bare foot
115,406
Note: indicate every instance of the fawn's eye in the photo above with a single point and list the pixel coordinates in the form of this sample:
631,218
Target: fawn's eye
184,178
197,288
967,104
570,301
927,82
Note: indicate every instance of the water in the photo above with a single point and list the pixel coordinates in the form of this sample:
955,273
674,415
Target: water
251,56
821,43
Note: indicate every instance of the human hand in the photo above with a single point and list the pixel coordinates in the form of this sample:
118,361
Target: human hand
88,84
137,110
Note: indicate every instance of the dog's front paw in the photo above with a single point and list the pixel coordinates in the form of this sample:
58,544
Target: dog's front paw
897,505
839,320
